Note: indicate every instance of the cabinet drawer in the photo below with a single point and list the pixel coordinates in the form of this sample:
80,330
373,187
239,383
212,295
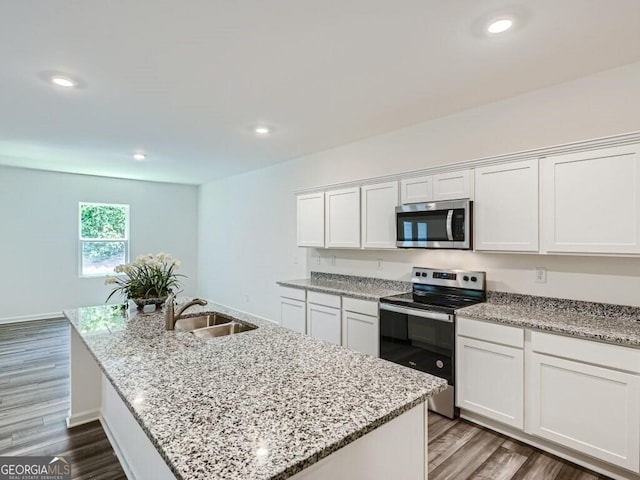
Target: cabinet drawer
324,299
612,356
491,332
366,307
293,293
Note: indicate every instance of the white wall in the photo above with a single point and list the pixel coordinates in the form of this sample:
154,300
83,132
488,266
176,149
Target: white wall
247,222
39,235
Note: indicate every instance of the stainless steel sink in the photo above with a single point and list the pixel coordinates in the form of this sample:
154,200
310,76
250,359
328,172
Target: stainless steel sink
230,328
201,321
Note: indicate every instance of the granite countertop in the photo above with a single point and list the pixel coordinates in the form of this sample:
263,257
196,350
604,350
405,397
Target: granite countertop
263,404
614,324
364,288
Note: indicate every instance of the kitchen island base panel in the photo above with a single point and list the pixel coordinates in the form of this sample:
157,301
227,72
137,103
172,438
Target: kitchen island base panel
397,449
85,399
550,447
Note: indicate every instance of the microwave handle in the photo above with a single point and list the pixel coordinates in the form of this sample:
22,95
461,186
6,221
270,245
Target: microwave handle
450,225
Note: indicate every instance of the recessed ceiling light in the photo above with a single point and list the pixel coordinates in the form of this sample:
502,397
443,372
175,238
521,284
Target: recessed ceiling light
500,25
139,156
63,81
262,130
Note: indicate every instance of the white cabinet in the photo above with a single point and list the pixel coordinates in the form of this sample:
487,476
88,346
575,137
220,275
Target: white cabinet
293,309
586,396
506,207
490,370
591,201
379,203
453,185
360,326
324,317
416,190
310,219
342,218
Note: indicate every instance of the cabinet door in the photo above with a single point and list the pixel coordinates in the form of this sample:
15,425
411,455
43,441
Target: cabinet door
310,217
591,201
591,409
360,332
342,211
416,190
379,203
506,207
453,185
324,323
293,314
490,380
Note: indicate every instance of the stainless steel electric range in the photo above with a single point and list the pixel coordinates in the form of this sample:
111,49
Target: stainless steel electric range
417,329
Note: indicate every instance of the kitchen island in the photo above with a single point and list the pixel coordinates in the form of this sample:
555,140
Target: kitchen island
263,404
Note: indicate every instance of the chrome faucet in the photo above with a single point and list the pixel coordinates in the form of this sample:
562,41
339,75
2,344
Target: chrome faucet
171,317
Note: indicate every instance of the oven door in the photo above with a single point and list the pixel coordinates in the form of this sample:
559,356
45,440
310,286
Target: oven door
419,339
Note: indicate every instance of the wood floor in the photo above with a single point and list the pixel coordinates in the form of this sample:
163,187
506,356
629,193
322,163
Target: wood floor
34,400
460,450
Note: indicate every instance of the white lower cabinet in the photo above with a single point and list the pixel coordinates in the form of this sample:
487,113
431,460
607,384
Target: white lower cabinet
594,409
360,326
293,309
490,371
324,319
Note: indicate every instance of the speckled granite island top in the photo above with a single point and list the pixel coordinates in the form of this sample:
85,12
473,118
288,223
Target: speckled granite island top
593,321
262,404
364,288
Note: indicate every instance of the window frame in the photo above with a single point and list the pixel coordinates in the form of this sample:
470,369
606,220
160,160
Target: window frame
82,241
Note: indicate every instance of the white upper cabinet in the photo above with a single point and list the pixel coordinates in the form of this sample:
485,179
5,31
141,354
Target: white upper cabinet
379,203
310,213
416,190
506,207
453,185
342,218
591,201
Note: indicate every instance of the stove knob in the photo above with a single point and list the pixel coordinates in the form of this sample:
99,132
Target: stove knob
465,278
417,274
439,363
424,274
474,279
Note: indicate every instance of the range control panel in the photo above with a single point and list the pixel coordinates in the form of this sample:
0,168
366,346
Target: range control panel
449,278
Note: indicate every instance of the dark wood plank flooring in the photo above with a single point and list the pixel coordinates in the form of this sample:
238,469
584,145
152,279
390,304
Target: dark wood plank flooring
34,400
461,450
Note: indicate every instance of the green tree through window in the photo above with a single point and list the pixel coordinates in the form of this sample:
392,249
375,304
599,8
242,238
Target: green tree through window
104,237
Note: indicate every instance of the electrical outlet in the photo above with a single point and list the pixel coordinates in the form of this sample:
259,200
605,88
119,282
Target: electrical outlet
379,264
332,260
541,275
318,260
247,299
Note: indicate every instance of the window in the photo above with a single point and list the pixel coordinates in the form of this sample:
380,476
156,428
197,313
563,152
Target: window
104,238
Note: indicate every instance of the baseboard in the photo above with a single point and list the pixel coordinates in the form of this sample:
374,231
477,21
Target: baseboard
116,448
81,418
28,318
578,458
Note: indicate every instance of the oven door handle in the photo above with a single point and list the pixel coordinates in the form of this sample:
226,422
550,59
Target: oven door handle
441,317
450,225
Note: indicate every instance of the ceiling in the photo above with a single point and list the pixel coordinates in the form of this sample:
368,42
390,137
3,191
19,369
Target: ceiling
187,81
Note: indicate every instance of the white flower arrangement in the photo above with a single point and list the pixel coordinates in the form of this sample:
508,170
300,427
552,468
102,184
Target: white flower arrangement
149,276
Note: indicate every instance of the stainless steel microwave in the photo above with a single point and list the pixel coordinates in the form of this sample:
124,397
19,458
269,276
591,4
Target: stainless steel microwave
445,224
